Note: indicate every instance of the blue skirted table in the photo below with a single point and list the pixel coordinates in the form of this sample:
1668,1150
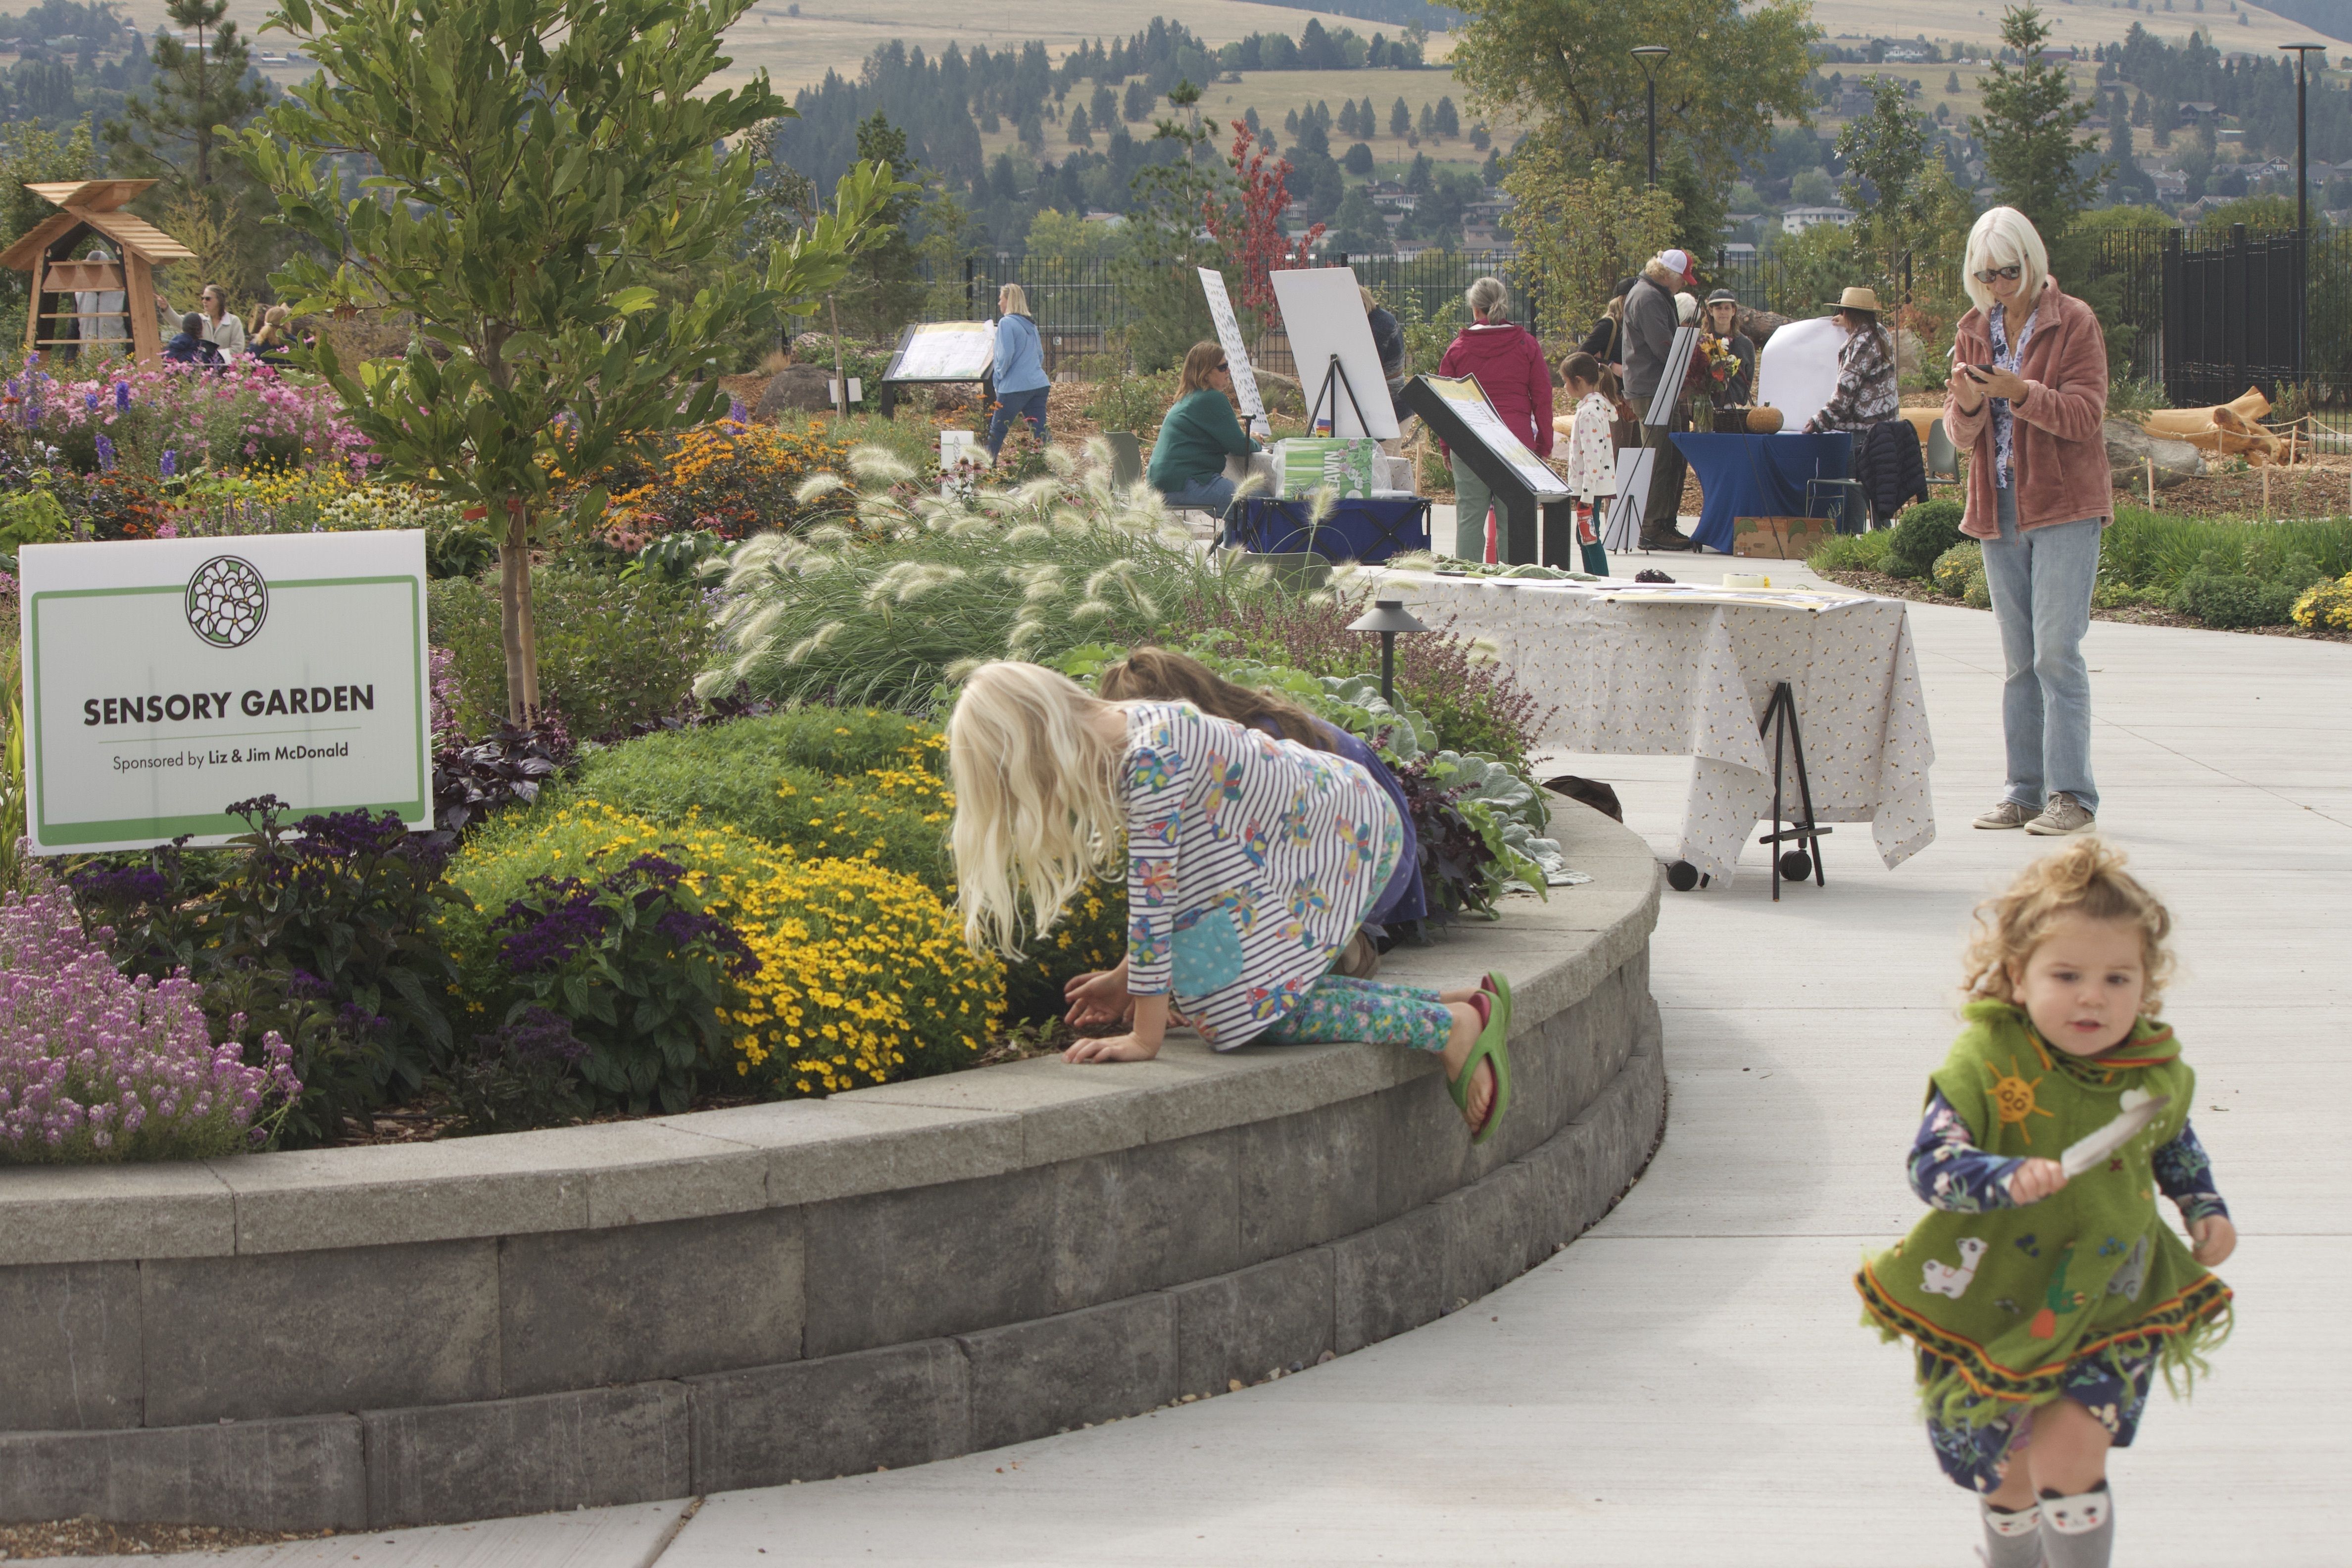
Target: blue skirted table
1758,476
1361,528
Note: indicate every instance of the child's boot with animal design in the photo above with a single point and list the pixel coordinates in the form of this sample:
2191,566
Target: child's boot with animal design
2013,1537
2078,1532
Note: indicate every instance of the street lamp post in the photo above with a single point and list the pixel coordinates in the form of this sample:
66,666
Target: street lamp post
1650,55
2302,53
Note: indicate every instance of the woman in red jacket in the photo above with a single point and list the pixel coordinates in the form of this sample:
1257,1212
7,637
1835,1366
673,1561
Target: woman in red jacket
1509,364
2028,395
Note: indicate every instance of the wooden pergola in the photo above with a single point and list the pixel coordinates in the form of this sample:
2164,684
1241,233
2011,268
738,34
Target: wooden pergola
131,249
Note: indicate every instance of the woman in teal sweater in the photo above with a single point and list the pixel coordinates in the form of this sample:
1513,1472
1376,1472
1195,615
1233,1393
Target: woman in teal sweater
1188,460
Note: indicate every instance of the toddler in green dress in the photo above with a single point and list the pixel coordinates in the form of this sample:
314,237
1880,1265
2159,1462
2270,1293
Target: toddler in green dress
2042,1294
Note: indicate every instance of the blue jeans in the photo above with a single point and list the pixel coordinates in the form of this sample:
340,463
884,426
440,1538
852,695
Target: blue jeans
1203,493
1011,405
2040,584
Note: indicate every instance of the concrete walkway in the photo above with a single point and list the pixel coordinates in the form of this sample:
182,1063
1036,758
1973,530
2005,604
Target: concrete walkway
1687,1384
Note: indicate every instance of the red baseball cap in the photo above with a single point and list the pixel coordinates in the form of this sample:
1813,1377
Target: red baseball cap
1680,261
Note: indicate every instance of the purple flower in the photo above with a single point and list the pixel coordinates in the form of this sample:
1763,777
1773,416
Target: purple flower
170,462
736,412
537,1035
105,454
89,401
121,396
95,1064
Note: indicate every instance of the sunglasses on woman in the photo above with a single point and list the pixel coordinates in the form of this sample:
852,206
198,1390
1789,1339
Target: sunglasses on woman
2010,271
1221,364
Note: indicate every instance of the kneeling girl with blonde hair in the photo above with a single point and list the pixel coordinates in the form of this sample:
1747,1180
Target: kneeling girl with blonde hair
1249,863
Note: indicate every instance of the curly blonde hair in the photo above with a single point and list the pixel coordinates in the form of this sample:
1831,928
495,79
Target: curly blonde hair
2087,878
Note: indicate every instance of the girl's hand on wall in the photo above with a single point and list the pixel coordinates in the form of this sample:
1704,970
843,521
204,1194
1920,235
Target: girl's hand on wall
1112,1049
1100,997
2216,1238
2036,1180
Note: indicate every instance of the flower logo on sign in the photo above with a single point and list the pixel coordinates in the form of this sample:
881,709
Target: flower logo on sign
227,602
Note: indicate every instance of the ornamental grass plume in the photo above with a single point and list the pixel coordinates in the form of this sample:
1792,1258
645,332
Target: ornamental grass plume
98,1066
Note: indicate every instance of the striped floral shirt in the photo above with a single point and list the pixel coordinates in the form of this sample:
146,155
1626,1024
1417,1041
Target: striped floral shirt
1250,863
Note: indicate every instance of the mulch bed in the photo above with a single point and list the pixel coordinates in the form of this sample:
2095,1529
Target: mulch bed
89,1538
2322,487
1886,587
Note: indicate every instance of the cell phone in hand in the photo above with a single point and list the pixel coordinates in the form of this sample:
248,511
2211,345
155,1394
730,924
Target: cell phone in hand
1981,372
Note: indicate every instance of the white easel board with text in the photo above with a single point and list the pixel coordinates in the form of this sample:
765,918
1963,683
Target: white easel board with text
943,351
1229,338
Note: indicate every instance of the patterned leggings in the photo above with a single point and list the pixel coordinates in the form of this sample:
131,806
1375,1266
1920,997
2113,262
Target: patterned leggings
1339,1008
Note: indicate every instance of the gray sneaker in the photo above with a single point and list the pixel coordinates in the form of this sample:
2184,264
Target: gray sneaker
2008,814
2064,815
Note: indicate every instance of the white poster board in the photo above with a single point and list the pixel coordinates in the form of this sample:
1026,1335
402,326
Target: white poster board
1229,338
1622,530
943,351
1797,369
1466,400
164,678
1325,317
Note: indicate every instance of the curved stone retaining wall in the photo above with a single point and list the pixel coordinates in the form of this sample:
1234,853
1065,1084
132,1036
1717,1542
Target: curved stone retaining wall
364,1338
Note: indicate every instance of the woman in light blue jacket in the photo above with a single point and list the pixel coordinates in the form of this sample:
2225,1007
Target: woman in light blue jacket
1020,372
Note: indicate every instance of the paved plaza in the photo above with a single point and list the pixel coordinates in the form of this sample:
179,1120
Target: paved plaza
1687,1384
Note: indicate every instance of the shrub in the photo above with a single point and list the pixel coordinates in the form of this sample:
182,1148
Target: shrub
1960,572
635,965
864,978
1924,531
821,782
2157,549
523,1076
728,477
1852,552
612,652
321,933
96,1064
2327,607
1134,403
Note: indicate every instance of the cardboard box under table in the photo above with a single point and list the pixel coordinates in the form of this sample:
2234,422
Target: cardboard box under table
1779,538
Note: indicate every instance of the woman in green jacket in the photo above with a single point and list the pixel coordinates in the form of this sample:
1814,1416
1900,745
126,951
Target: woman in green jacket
1188,460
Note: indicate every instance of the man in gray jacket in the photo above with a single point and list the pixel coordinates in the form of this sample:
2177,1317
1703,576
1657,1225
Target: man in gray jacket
1649,323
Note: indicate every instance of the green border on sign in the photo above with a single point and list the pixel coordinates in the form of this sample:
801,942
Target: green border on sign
160,828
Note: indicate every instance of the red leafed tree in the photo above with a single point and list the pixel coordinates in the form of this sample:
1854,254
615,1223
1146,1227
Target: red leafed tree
1248,226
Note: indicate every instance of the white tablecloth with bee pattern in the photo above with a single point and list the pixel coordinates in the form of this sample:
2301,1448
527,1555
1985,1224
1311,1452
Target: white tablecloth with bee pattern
1693,679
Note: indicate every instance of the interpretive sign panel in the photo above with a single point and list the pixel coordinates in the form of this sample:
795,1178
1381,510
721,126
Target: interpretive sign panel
943,351
1466,400
1229,338
165,679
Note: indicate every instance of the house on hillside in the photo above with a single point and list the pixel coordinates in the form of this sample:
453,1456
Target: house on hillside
1796,220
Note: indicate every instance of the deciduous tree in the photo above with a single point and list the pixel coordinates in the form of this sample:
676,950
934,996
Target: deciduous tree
1580,227
544,164
1561,69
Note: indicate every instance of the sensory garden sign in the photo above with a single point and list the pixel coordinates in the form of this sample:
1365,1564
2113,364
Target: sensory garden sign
165,679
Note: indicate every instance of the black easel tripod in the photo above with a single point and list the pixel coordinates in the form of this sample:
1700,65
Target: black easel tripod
1780,723
1335,381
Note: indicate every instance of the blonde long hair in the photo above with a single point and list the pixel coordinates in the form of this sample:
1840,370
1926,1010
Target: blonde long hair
1037,800
2087,878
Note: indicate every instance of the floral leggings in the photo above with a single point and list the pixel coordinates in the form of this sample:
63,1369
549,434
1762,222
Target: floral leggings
1339,1008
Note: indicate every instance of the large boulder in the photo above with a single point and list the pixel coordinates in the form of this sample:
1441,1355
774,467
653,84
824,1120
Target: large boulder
796,386
2130,449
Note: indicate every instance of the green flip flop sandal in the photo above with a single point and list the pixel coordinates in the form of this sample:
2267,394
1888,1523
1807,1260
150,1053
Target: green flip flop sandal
1492,1046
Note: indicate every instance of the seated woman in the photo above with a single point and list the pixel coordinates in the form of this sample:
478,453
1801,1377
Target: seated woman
1155,674
1866,394
1188,459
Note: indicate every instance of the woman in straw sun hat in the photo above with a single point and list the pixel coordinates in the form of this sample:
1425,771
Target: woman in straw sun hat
1865,385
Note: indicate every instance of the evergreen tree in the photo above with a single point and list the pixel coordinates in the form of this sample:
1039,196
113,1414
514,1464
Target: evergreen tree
2031,116
1952,84
1138,102
1103,105
1080,133
1357,228
171,132
1449,121
1427,125
1358,161
1400,119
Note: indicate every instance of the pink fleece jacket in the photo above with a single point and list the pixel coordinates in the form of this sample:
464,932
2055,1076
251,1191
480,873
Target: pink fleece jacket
2059,465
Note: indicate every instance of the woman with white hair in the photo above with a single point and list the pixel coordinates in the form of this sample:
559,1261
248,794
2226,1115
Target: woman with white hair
1019,369
2028,395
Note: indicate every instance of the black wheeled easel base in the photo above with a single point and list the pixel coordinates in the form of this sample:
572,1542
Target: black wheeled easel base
1787,741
